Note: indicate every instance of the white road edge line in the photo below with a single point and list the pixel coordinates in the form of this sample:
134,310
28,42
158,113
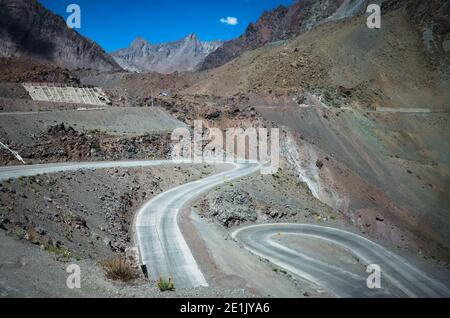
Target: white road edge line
278,228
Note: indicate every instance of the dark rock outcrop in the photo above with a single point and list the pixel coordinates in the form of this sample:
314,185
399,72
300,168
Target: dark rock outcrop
231,208
27,29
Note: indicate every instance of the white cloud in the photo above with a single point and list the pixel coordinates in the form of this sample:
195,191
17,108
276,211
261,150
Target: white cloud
229,20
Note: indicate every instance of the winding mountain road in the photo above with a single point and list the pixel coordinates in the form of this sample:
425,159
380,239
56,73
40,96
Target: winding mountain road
165,252
410,281
162,247
14,172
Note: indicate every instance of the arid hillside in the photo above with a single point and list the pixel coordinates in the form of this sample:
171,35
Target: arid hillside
403,64
284,23
365,111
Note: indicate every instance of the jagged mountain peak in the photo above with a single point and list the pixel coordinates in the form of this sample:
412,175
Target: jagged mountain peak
177,56
191,36
139,41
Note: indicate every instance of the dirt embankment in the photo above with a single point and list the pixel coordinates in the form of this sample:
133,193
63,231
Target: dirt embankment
88,213
131,89
63,144
220,113
266,199
21,70
386,172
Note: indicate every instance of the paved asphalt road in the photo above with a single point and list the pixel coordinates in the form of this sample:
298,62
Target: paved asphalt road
407,280
162,246
166,253
12,172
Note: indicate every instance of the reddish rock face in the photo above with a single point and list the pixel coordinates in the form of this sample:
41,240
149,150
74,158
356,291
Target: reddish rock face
279,24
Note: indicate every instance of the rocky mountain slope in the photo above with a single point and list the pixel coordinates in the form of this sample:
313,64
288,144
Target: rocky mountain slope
386,171
404,64
179,56
27,29
283,23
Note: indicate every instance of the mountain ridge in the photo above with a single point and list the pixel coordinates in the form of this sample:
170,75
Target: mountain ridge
175,56
283,23
28,29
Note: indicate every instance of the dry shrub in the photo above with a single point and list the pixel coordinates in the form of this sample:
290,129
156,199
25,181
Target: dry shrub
119,269
165,285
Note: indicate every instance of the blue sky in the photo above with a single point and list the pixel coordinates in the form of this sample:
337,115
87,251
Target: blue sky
115,23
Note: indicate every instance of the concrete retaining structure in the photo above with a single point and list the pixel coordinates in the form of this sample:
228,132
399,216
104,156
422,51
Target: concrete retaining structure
66,94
